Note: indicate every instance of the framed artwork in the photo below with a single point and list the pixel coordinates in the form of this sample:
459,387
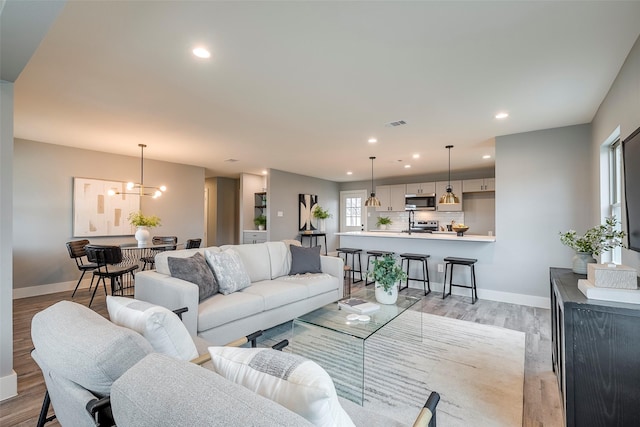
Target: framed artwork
307,203
95,213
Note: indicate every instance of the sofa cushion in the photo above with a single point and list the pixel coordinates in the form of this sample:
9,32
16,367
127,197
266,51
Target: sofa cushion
195,269
316,284
277,293
305,260
161,391
229,270
298,384
162,265
159,325
221,309
255,259
79,344
280,258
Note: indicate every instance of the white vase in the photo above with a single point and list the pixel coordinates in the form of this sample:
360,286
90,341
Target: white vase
580,261
382,226
321,225
387,297
143,236
261,227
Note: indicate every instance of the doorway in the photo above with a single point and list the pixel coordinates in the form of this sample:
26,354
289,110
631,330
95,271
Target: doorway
353,213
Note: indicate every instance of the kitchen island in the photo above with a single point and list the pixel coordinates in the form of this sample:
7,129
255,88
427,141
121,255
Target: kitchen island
437,245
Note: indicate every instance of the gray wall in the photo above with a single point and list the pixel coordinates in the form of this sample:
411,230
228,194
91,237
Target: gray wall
621,107
42,203
284,188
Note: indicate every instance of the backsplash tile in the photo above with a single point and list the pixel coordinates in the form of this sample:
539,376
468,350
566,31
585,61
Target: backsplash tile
400,220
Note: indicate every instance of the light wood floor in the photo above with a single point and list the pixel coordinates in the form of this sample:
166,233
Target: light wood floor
541,398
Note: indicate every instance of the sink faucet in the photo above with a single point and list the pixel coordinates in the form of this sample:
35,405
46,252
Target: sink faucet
412,217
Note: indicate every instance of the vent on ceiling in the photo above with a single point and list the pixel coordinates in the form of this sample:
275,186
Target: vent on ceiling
396,123
232,160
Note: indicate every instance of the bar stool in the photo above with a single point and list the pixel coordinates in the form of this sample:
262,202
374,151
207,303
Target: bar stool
423,259
375,254
352,252
469,262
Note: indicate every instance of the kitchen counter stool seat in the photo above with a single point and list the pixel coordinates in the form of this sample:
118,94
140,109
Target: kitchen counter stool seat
424,260
469,262
353,270
375,254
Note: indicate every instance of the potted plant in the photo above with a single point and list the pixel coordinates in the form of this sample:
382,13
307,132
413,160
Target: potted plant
320,214
597,239
387,274
384,222
260,221
143,223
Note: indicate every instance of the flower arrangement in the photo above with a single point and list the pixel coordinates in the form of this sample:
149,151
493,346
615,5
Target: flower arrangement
384,220
320,213
386,273
596,240
138,219
260,220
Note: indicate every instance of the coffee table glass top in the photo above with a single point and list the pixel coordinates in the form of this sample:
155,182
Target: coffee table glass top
332,317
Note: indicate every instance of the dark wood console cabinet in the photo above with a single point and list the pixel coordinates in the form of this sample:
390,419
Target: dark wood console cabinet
595,355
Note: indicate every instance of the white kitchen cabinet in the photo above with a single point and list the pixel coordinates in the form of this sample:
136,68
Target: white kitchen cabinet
478,185
441,188
254,237
419,188
391,197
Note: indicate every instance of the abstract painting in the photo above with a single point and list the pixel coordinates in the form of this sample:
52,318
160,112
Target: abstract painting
307,203
95,213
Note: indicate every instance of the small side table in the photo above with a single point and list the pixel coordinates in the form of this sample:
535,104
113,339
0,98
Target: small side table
313,237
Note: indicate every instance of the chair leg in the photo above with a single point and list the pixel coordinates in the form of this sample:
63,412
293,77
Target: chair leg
444,283
96,288
78,284
425,264
42,418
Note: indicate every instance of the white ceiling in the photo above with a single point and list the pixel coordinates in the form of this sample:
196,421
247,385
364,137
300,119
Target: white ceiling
301,86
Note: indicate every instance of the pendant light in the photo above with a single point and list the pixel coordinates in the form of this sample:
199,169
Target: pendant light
449,198
372,200
139,189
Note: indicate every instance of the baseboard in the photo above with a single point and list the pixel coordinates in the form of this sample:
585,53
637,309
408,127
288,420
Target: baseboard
51,288
488,294
9,386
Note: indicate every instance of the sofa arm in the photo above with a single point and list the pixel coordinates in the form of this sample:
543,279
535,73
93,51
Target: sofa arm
169,292
335,267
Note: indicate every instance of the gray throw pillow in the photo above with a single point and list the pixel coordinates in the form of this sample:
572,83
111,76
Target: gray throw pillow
229,270
305,260
195,270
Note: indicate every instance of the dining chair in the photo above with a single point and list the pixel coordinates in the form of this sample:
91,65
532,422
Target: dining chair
193,243
78,254
159,240
107,257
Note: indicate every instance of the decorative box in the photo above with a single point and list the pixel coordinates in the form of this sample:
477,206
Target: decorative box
612,276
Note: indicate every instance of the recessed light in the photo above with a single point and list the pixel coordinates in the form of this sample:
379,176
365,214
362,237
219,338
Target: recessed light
502,115
416,156
201,52
349,173
486,156
407,166
264,172
372,140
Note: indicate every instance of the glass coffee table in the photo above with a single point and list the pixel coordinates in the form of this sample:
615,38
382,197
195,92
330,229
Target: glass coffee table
339,345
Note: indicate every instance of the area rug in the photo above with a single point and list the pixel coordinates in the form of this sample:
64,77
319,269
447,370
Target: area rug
478,370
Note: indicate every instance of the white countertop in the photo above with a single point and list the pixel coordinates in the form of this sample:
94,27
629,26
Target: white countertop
422,236
255,231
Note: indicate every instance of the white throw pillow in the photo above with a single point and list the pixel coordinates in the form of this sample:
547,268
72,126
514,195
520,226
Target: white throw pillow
294,382
229,270
160,326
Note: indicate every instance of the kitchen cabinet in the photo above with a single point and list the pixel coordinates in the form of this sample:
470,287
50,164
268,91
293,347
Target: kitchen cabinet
254,237
478,185
421,188
594,354
391,197
441,188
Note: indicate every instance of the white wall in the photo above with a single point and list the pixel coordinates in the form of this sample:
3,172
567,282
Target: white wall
43,199
621,107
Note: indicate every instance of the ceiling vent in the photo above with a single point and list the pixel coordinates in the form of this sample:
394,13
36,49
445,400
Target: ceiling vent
232,160
396,123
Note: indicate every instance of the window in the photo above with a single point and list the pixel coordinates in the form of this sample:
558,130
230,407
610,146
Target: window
615,194
353,211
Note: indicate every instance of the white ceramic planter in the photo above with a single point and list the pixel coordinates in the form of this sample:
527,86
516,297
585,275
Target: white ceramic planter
143,236
580,261
387,297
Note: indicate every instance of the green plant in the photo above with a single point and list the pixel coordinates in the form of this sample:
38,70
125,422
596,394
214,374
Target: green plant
596,240
138,219
384,220
386,273
260,220
320,213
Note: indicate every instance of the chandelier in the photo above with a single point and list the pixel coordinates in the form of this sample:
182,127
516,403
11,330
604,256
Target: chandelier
449,197
372,200
139,189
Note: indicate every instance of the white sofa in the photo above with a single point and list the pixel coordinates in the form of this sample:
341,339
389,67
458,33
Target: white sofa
273,298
